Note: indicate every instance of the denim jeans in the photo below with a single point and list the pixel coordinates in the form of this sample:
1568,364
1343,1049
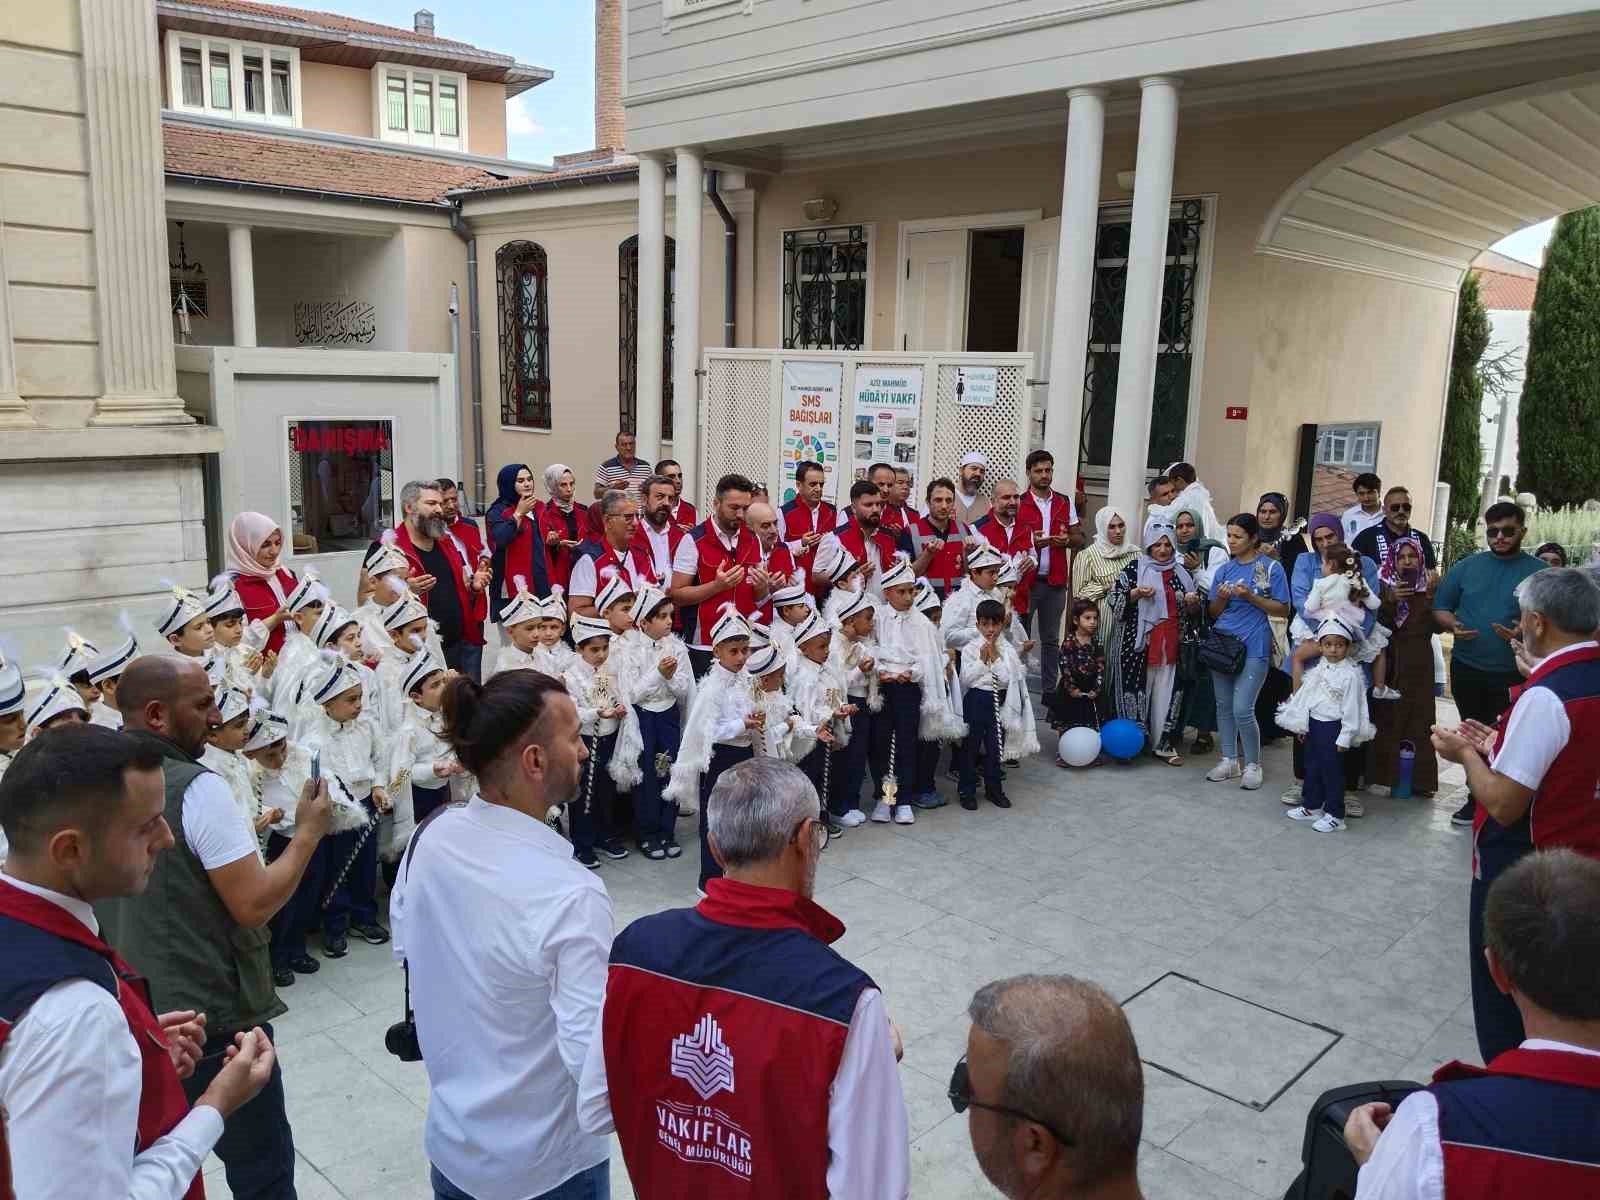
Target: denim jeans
463,656
1236,711
593,1183
256,1147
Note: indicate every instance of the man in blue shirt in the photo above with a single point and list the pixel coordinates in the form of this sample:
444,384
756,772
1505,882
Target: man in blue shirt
1477,602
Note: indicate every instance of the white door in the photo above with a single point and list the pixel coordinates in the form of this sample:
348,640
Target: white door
1040,241
935,316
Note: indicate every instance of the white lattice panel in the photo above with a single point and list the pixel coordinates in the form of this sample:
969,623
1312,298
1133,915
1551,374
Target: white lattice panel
736,423
1000,433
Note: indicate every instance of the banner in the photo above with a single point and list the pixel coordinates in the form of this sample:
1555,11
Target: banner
977,387
811,394
888,408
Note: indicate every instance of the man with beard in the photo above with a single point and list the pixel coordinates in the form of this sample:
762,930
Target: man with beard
940,550
467,539
891,518
716,566
861,535
1053,520
807,519
656,538
1056,1093
1374,541
708,1010
601,561
776,567
506,1003
971,504
90,1076
448,585
683,514
198,931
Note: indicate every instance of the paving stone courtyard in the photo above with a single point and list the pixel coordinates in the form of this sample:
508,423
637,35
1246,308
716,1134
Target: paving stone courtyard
1260,963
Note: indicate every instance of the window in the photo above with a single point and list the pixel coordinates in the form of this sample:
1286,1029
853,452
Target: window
423,108
225,78
1353,446
825,274
523,299
628,337
341,482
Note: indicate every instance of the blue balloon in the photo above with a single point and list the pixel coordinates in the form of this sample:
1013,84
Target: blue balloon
1122,738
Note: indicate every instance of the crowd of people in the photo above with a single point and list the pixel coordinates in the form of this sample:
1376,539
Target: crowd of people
785,673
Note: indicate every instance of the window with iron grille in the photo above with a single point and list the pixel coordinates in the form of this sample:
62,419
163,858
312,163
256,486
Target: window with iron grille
628,337
1169,413
523,299
825,288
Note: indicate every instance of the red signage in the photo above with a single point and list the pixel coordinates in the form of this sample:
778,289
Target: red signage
1238,412
324,437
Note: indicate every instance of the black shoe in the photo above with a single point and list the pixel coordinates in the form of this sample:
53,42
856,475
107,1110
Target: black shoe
587,858
652,850
998,799
304,964
1464,814
834,828
672,849
282,977
613,848
334,945
970,803
373,935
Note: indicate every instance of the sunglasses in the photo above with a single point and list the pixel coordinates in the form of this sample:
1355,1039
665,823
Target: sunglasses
961,1099
1503,531
1399,508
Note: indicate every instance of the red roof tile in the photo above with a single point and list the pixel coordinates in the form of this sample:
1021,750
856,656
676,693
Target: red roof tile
314,19
284,162
1502,291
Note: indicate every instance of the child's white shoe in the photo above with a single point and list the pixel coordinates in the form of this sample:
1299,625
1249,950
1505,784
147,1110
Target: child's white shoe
881,813
1301,813
903,815
1329,824
1226,768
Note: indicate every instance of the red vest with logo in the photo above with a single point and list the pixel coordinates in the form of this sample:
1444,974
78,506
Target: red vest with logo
779,562
896,516
468,540
683,516
723,1029
41,945
798,520
551,519
472,614
260,601
948,566
1523,1126
854,539
1566,808
1017,540
714,557
1060,522
644,562
607,563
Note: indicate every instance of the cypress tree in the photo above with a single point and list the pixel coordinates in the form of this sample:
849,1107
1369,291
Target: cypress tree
1558,417
1461,455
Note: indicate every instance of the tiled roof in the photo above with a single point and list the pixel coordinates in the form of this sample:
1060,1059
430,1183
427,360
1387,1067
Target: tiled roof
261,158
312,19
1507,291
623,166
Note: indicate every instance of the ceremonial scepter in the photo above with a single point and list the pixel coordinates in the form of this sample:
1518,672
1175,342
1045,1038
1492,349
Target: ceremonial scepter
367,831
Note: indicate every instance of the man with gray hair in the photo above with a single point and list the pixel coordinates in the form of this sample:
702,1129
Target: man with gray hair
448,585
602,559
734,1042
1544,756
1052,1077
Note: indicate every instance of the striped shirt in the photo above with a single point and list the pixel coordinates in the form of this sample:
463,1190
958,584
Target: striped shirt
613,474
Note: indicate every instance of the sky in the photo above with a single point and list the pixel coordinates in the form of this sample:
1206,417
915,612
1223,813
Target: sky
554,118
1528,244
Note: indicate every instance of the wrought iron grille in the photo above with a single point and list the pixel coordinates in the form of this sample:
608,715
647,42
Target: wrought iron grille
523,300
628,337
825,288
1169,416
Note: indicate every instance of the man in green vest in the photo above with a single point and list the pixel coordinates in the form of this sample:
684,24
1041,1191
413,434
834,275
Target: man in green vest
198,931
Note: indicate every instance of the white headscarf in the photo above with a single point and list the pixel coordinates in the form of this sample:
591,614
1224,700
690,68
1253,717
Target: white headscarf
1154,609
552,480
1108,549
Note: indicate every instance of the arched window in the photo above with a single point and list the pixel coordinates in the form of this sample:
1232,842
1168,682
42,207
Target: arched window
523,296
628,338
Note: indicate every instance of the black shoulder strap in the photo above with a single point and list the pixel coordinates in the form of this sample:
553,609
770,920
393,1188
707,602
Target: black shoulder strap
405,865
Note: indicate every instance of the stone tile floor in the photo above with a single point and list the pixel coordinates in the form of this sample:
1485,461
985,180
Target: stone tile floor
1117,874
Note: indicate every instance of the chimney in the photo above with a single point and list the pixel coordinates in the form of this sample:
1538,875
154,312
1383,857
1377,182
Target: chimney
423,22
609,126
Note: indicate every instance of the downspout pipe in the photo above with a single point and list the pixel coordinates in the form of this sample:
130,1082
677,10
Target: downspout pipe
479,482
730,256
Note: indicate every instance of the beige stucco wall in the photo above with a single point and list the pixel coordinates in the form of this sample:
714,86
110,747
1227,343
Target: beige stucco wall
486,118
336,99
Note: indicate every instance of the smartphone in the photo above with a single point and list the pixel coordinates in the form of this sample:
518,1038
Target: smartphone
316,769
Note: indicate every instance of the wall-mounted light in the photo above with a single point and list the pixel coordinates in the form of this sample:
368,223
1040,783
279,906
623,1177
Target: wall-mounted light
822,208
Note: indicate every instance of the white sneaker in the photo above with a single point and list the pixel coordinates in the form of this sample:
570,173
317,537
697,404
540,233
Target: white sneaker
1227,768
1252,777
903,815
880,813
853,818
1354,807
1301,813
1293,795
1329,824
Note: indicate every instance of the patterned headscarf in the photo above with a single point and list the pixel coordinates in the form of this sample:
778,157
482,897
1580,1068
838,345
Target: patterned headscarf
1392,574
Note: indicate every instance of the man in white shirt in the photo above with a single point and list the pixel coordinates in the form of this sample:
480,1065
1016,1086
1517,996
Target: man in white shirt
1367,511
709,1010
598,563
90,1077
506,1003
1527,1121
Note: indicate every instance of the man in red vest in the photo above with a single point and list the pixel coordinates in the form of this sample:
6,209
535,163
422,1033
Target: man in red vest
683,514
862,535
1523,1126
450,586
738,1055
90,1076
893,516
1005,531
1052,522
1535,778
716,565
807,519
777,567
938,549
600,561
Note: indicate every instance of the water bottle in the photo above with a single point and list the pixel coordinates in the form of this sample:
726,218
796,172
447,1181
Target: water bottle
1402,777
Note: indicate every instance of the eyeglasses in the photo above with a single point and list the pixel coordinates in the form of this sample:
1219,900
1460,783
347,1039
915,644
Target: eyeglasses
1503,531
960,1094
819,833
1399,508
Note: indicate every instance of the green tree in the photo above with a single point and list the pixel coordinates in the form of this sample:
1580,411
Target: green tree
1461,455
1558,418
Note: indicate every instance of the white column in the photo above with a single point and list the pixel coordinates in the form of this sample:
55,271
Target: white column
652,305
242,283
14,412
690,194
1069,334
1141,312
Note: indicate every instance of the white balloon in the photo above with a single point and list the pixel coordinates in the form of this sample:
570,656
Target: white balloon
1079,747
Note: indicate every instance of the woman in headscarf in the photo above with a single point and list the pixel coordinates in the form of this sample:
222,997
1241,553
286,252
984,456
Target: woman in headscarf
1095,568
515,539
255,544
1272,514
1202,556
1272,510
1552,554
566,525
1155,608
1407,612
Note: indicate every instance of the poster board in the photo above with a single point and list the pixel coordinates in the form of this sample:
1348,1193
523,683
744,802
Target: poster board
886,418
811,397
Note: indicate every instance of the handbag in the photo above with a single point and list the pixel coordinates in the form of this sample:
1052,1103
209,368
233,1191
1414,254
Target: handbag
1222,653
